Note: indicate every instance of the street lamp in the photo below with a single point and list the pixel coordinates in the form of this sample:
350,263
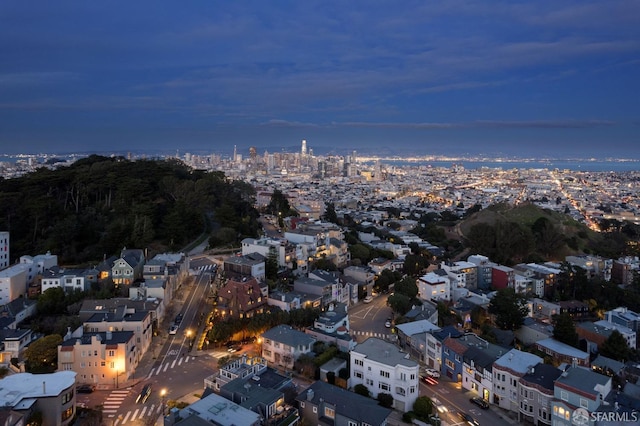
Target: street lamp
163,394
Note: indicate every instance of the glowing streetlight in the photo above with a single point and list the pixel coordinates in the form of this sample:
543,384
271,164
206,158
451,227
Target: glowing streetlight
163,394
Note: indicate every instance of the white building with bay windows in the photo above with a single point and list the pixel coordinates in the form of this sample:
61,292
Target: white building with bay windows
382,368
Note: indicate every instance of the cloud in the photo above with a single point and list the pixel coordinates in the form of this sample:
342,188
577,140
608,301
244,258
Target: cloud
496,124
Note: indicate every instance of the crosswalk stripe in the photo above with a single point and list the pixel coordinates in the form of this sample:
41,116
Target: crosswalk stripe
126,417
166,366
151,409
173,364
143,411
180,362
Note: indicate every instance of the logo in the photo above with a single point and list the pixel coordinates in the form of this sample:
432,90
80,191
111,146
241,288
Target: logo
580,417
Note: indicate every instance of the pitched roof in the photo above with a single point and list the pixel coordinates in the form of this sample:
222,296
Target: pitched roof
288,336
348,404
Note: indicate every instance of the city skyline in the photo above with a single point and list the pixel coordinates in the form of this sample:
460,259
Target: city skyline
515,79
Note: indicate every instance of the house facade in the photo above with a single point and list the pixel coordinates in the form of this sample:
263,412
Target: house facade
282,345
99,358
383,368
535,392
507,371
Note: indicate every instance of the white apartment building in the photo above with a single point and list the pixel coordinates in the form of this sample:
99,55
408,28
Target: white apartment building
38,264
4,250
13,283
629,335
507,371
462,274
435,285
382,368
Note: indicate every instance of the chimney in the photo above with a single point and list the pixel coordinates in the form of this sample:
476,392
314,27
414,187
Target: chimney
574,362
44,387
109,335
310,394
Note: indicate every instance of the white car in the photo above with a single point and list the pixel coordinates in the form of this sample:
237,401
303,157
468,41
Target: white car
173,329
368,299
431,372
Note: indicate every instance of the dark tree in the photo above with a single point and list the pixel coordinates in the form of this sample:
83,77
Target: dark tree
407,287
564,330
385,400
423,407
399,303
330,214
616,347
361,389
509,308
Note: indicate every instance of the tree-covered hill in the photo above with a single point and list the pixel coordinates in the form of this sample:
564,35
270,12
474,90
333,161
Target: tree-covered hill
510,234
98,205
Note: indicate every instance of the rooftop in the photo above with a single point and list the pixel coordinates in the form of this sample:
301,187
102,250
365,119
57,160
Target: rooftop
543,375
518,361
16,387
288,336
383,352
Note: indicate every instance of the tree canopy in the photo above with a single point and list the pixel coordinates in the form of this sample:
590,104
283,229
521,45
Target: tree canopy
616,347
509,309
98,205
564,330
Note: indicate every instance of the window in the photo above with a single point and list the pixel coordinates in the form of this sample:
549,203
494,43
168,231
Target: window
369,382
564,395
384,374
584,403
112,353
329,412
413,377
358,374
384,386
450,364
315,409
358,362
301,404
351,423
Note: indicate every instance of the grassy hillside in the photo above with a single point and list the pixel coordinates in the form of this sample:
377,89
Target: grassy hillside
527,232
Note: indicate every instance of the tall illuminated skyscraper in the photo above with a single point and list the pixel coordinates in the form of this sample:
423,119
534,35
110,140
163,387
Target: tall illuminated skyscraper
303,151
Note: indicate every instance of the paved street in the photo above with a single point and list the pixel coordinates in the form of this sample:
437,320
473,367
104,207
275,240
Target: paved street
367,319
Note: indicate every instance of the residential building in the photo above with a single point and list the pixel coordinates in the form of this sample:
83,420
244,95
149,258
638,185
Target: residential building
123,306
54,394
282,345
128,267
325,404
264,393
533,330
239,368
622,272
293,300
624,317
434,286
213,409
507,371
416,338
535,392
596,333
577,393
240,299
562,353
13,343
13,283
140,323
245,267
99,358
363,275
69,280
5,260
575,308
383,368
485,270
332,327
16,311
36,265
543,310
504,277
324,285
284,251
462,273
477,369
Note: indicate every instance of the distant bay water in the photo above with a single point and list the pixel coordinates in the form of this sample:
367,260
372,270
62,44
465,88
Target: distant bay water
574,165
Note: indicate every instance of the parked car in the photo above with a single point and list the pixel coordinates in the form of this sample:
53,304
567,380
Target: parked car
431,372
85,388
173,329
480,402
178,319
388,323
144,394
368,299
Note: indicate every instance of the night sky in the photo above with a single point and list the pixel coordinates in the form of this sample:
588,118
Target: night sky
524,78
